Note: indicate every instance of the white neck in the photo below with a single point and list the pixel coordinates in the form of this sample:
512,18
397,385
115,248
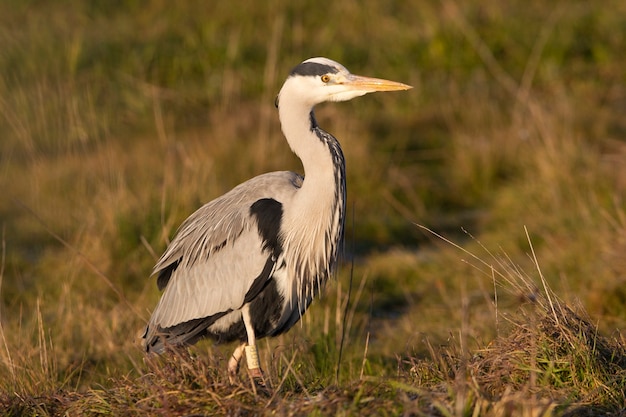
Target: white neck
295,122
314,221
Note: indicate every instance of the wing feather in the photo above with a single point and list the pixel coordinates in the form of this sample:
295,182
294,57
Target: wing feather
217,253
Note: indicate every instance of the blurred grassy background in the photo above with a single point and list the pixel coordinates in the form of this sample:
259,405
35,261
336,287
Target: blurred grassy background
119,118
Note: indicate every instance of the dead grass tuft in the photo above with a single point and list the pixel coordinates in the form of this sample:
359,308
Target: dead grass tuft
560,360
541,367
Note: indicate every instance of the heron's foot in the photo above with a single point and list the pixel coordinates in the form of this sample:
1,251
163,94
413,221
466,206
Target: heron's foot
254,368
259,383
232,375
256,373
233,364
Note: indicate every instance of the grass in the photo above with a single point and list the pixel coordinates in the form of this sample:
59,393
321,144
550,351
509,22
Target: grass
117,120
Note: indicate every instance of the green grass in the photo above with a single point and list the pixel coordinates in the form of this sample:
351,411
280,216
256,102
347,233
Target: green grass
118,119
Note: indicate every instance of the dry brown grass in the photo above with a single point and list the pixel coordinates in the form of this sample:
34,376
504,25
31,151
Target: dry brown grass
553,361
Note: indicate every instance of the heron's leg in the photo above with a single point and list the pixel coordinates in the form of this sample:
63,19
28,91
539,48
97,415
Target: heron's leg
252,357
233,363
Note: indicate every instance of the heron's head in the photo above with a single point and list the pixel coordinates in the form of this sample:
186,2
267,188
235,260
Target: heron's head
320,79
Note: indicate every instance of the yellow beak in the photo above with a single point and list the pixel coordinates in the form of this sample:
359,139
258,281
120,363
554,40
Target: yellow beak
369,84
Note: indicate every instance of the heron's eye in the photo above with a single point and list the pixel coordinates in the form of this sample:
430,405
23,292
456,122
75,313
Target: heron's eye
325,78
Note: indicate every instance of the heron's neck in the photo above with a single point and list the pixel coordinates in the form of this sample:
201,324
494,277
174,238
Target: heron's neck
299,127
314,221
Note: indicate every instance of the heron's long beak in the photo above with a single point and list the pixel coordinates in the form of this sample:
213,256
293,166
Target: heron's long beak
369,84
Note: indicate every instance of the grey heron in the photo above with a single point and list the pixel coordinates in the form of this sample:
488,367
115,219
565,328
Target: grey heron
248,264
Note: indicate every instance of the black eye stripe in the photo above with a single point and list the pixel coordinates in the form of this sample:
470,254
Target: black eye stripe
313,69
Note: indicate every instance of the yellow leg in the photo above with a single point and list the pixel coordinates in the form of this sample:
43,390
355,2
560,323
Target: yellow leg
233,363
252,357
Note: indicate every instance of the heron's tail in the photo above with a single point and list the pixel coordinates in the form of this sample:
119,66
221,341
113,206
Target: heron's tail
157,339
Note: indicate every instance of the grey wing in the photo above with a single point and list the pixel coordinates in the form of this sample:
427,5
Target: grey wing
218,253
